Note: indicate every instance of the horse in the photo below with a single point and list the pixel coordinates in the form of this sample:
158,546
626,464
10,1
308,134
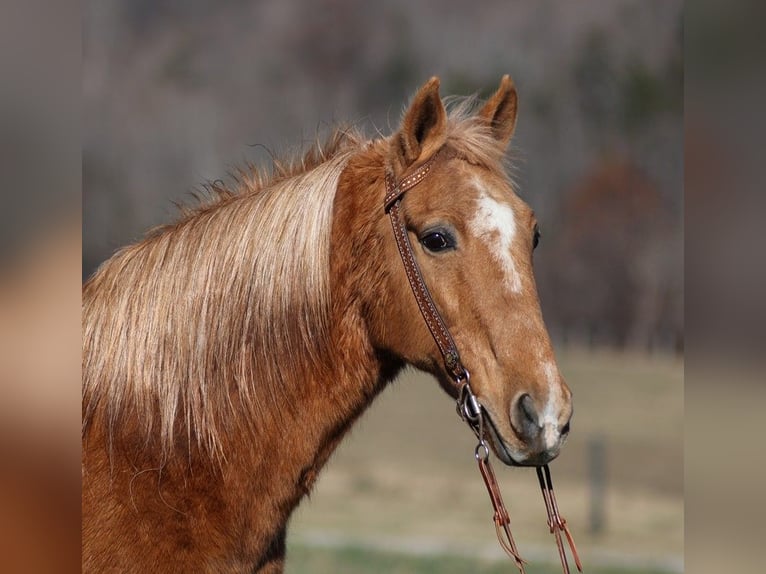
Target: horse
226,355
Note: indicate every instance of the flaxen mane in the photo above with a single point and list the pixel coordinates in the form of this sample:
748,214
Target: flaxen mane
188,279
232,297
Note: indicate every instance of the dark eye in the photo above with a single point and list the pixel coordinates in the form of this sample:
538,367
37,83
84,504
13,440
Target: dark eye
437,241
536,237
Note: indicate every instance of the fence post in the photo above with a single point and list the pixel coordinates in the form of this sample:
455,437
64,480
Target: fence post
597,481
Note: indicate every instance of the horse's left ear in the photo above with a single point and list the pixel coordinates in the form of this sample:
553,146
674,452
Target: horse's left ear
423,130
500,111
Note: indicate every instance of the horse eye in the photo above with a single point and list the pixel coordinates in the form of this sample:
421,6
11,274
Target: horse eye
437,241
536,237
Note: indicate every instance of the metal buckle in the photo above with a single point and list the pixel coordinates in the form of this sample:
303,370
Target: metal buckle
468,406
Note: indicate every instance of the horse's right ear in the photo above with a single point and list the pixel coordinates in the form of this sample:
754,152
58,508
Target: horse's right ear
423,129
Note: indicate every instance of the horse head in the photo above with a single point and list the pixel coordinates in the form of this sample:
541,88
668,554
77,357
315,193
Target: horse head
473,238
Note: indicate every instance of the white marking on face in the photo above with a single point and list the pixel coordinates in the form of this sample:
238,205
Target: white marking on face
495,224
552,409
553,405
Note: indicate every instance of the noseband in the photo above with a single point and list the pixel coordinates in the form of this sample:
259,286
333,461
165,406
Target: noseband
469,408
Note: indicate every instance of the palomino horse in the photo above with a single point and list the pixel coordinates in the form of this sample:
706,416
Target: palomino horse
227,354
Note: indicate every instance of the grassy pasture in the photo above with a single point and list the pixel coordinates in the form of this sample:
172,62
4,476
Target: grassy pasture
354,560
403,494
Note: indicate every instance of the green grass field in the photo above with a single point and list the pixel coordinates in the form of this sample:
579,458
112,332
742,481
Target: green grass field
351,560
406,476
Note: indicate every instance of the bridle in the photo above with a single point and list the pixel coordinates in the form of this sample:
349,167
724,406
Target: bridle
468,406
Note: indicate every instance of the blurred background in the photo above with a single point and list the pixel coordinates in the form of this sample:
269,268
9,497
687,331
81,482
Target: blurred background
178,92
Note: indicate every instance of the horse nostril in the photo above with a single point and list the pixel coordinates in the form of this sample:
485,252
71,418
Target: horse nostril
524,418
528,409
565,428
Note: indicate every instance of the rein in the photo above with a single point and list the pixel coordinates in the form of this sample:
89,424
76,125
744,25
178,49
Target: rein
469,408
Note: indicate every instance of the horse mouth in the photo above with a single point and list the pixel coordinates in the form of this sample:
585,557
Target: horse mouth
506,452
501,449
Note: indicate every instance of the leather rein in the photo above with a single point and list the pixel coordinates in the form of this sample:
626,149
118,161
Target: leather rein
468,406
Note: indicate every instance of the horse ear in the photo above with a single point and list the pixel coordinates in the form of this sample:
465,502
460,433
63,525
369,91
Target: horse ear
500,111
423,130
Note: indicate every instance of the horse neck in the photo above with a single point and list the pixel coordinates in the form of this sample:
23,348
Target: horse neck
340,378
274,441
348,372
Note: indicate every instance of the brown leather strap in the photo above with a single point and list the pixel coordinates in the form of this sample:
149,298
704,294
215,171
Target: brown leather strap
556,522
501,517
434,321
395,191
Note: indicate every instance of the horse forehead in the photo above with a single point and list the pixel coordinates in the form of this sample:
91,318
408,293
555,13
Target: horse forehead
495,222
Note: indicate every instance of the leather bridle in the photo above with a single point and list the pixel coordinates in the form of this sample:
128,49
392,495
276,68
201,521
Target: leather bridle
435,323
468,406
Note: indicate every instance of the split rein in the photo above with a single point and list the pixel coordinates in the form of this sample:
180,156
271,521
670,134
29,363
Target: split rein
468,406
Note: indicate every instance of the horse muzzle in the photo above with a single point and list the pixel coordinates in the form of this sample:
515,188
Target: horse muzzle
536,441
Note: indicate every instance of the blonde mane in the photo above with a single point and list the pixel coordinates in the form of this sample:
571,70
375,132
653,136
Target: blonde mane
471,137
174,325
210,315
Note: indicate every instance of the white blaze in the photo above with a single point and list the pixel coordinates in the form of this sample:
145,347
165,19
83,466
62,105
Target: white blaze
495,224
550,416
